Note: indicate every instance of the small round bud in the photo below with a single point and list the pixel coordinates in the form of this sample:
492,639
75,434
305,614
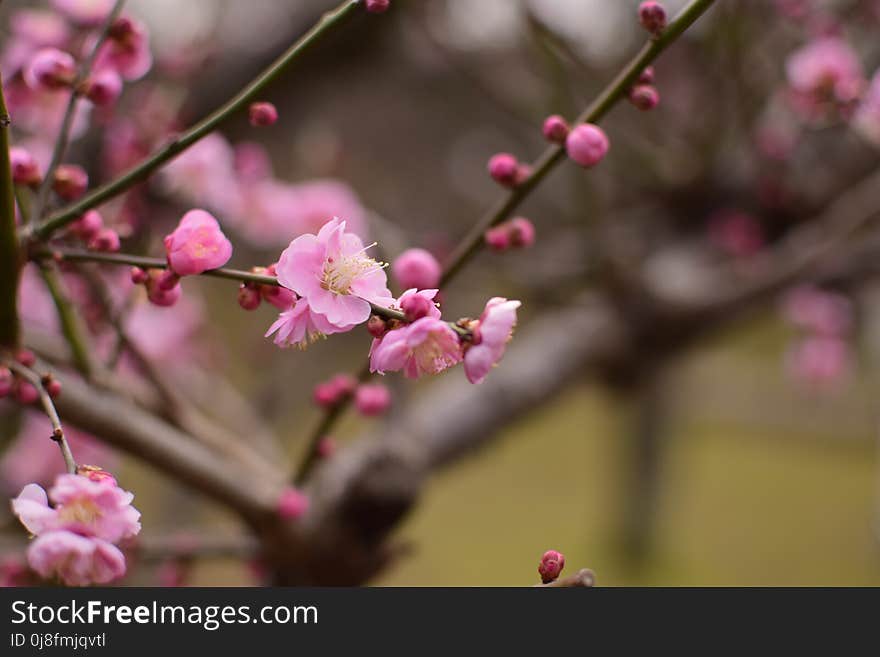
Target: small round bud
167,280
503,169
330,393
249,296
587,145
326,447
372,399
156,295
25,169
377,6
278,296
70,181
555,129
103,87
105,239
376,326
521,232
652,16
88,225
138,276
415,306
552,563
646,76
497,238
26,357
292,504
416,268
262,114
644,96
24,392
6,381
53,387
50,69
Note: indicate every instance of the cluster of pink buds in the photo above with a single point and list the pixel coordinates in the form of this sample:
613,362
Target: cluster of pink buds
19,388
91,229
334,391
250,295
77,534
507,171
652,16
517,233
551,565
370,399
644,95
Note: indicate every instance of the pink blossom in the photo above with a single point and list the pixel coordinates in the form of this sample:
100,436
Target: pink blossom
103,87
587,145
127,49
334,275
88,13
824,75
203,174
292,504
197,245
372,399
75,560
652,16
427,346
25,169
262,114
819,362
98,509
70,181
425,300
555,129
300,326
315,200
492,332
552,563
416,268
818,311
50,69
503,168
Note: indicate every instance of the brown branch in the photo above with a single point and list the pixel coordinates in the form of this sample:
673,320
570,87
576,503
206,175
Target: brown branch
585,578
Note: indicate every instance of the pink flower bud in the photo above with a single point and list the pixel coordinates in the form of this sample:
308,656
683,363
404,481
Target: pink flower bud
156,294
652,16
25,169
197,245
103,87
497,238
326,447
88,225
551,565
329,393
521,232
262,114
372,399
644,96
26,357
70,181
415,306
167,280
292,504
97,474
53,387
105,239
50,69
24,392
280,297
376,326
138,276
587,145
555,129
6,381
377,6
249,296
416,268
503,169
646,76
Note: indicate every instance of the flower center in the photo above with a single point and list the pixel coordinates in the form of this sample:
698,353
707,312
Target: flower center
341,272
83,511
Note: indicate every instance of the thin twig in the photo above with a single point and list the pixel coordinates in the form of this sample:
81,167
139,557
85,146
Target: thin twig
63,140
204,127
49,407
71,326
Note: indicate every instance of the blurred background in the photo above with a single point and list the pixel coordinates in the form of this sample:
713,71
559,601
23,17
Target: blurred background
739,457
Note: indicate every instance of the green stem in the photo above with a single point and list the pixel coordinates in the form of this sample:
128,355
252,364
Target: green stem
71,327
207,125
553,155
63,139
10,253
502,209
79,255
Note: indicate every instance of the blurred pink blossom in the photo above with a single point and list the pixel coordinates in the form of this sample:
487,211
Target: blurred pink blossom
492,332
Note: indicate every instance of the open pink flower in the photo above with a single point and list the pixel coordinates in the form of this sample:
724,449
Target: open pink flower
824,75
427,346
126,50
197,245
75,560
492,332
99,509
334,275
300,326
